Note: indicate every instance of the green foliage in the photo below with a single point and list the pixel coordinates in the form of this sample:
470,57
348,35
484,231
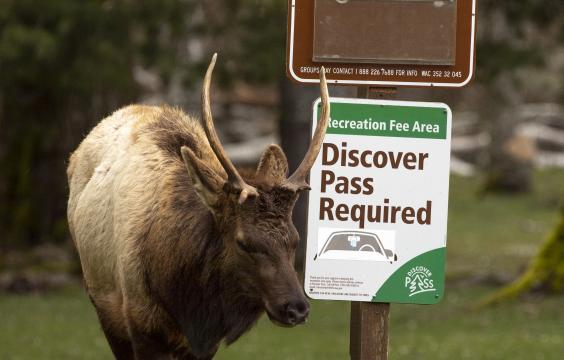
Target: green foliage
497,57
84,46
540,12
251,37
63,65
510,35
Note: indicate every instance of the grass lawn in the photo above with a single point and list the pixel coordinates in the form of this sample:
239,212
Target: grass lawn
489,236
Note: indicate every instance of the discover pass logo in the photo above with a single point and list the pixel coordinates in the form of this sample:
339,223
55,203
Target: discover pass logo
419,280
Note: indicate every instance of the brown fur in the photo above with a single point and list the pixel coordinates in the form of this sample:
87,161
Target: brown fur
172,262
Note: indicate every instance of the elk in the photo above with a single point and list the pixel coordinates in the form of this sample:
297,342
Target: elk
180,251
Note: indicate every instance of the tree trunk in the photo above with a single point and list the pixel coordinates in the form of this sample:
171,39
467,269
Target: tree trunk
509,165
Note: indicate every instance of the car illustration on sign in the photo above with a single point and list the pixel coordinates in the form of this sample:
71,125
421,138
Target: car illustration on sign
356,245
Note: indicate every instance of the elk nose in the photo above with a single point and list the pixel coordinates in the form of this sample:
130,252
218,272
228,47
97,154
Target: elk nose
297,311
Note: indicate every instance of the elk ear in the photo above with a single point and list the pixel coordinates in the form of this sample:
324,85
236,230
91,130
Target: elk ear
273,166
208,183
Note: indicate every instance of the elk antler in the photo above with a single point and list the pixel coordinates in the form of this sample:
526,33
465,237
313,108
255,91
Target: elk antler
234,179
297,181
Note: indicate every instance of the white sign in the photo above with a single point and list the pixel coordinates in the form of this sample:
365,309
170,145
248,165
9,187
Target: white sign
377,216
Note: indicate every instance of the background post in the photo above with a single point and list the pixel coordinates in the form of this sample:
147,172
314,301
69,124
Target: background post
369,322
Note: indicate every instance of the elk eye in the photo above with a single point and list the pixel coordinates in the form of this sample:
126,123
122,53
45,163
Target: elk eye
246,247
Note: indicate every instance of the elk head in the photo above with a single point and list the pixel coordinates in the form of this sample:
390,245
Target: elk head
254,216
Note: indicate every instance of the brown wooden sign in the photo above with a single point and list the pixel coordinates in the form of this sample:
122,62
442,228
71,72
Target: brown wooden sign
382,42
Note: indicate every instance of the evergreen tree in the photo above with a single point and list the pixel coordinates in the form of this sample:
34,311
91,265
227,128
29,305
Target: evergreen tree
63,66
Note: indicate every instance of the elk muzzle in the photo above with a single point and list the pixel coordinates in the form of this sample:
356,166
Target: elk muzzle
290,313
286,303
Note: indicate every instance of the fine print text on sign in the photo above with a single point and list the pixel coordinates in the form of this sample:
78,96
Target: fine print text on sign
377,216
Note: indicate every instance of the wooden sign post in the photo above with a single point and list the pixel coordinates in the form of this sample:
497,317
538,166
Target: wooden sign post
369,331
369,323
379,46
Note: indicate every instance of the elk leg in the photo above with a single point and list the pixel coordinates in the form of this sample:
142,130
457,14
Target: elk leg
122,348
187,355
147,344
147,347
121,345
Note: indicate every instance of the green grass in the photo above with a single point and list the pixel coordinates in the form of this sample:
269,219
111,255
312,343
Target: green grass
498,234
61,325
488,236
532,329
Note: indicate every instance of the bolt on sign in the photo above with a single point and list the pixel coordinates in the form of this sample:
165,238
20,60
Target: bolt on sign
377,213
382,42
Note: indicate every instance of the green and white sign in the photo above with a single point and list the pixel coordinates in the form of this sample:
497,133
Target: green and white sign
377,218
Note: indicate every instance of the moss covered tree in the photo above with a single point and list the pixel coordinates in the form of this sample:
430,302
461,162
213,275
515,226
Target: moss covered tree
544,273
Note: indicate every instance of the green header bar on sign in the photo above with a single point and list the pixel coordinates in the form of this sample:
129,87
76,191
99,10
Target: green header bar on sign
387,120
